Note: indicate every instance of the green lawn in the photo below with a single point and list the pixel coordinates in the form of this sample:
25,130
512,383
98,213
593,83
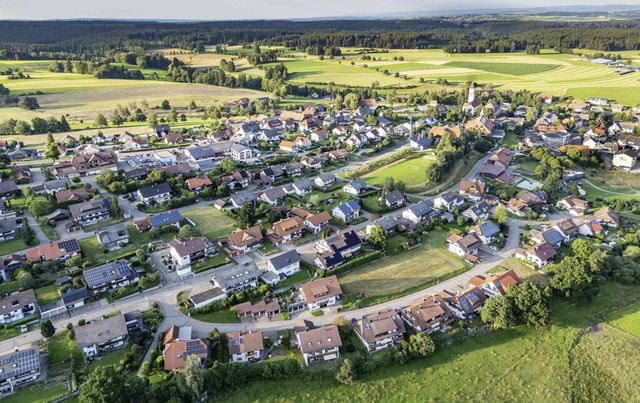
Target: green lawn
36,393
59,350
516,69
93,250
523,271
410,170
48,294
627,320
110,358
298,278
102,224
211,222
223,316
216,261
511,140
15,245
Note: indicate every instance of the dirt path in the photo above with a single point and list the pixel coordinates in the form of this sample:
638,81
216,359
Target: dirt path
609,191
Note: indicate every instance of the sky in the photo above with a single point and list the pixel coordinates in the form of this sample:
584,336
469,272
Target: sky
250,9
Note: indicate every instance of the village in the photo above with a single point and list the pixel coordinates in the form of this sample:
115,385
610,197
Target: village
249,231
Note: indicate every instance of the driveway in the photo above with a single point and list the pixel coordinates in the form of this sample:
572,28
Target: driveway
31,221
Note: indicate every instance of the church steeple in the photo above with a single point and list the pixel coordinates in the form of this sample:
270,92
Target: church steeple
472,93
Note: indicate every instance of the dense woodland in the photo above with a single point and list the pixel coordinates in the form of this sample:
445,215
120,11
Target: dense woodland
89,39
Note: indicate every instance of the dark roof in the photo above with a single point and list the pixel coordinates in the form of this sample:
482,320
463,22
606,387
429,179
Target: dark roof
108,272
8,186
75,295
285,259
422,141
201,152
167,218
422,208
393,197
155,190
20,362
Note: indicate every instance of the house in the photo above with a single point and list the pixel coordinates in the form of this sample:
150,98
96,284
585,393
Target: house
420,212
173,138
179,343
608,217
487,232
113,237
472,189
464,304
9,264
8,228
187,251
56,250
482,125
550,236
240,198
319,344
339,155
575,205
17,306
109,276
237,179
356,140
334,250
18,368
497,284
624,159
293,170
531,198
517,207
271,174
320,135
567,228
302,142
197,153
8,188
448,201
285,264
380,330
321,293
159,220
313,162
201,298
242,240
100,336
22,174
287,146
75,298
160,192
502,157
540,255
136,144
240,153
286,230
346,211
420,142
90,212
315,222
258,309
394,199
466,246
199,183
274,196
388,224
325,181
478,212
236,278
245,346
161,131
180,169
428,314
89,164
302,186
355,187
72,196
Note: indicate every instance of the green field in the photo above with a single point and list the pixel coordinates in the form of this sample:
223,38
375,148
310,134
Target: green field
211,222
14,245
36,393
408,270
627,320
410,170
523,271
47,295
514,69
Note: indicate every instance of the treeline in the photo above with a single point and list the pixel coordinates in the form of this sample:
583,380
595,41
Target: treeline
36,126
98,69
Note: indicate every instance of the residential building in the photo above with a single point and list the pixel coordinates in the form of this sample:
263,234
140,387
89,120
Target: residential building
100,336
8,228
239,199
394,199
258,309
201,298
438,132
113,237
325,181
355,187
236,278
464,305
199,183
160,192
73,196
448,201
274,196
321,293
465,246
478,212
9,264
428,314
315,222
242,240
240,153
90,212
187,251
17,306
109,276
18,368
625,159
380,330
286,230
22,174
159,220
245,346
550,236
420,212
237,179
539,255
8,188
487,231
75,298
501,157
56,250
334,250
567,228
320,344
285,264
497,284
347,211
302,187
179,343
472,189
575,205
420,142
388,224
89,164
608,217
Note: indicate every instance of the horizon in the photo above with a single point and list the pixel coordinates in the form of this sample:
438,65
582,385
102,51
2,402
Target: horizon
251,10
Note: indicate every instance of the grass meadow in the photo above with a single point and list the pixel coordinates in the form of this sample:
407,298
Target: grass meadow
211,222
410,170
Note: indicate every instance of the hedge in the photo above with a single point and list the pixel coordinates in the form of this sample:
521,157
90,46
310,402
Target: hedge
357,262
379,163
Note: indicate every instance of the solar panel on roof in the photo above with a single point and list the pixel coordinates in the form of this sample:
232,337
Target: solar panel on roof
69,245
465,303
238,342
474,298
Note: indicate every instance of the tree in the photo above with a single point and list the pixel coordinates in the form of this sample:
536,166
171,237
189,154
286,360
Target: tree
100,121
108,385
227,165
378,237
388,185
165,105
498,312
400,185
246,215
25,280
500,214
194,375
29,103
482,145
152,120
421,345
187,232
173,115
115,207
351,101
347,372
27,233
47,329
572,279
39,208
531,304
51,148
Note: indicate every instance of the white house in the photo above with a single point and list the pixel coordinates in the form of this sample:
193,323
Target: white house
106,334
157,193
285,265
448,201
320,344
625,159
245,346
321,293
17,306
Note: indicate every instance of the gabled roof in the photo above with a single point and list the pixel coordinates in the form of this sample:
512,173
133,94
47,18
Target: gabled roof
487,229
154,190
242,237
394,197
245,342
185,247
319,339
166,218
422,208
321,289
285,259
358,184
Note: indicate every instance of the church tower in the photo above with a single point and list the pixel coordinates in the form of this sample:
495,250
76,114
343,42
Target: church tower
472,93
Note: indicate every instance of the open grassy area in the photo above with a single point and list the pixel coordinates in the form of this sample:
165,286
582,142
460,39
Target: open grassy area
110,358
551,365
410,170
59,350
223,316
36,393
515,69
523,271
405,271
48,294
14,245
627,320
211,222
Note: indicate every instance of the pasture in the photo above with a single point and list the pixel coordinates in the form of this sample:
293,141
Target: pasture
404,271
410,170
211,222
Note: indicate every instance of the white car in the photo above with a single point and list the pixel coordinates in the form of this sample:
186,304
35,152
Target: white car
24,329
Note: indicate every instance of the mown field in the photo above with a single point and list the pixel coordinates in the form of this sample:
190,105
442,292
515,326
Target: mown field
211,222
557,364
404,271
410,170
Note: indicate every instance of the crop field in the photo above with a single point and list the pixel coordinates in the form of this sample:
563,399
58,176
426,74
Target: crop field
211,222
398,273
410,170
515,69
